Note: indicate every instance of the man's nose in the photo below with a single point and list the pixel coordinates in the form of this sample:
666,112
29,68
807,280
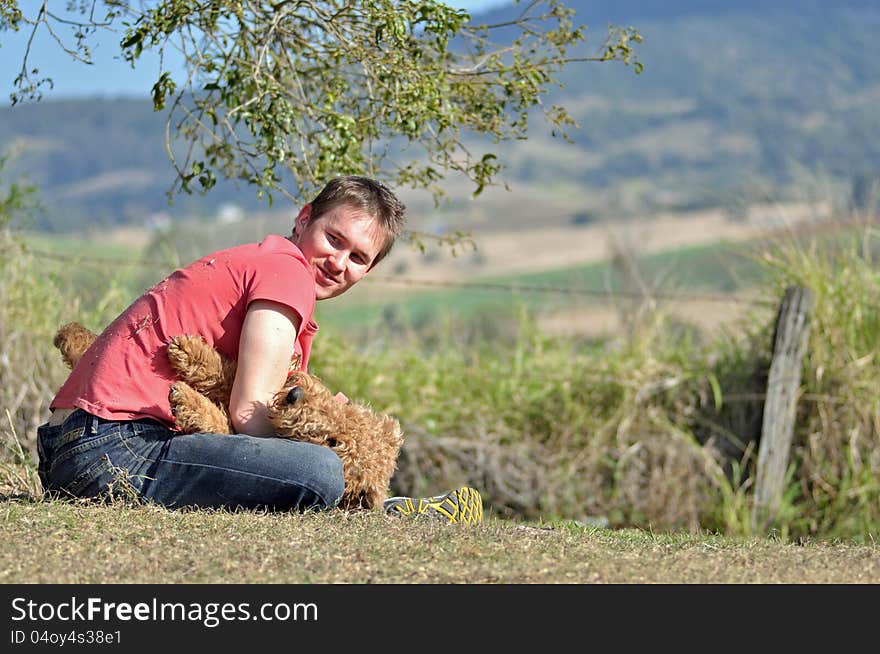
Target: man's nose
337,261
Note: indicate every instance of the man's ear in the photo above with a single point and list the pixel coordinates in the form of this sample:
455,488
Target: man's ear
302,219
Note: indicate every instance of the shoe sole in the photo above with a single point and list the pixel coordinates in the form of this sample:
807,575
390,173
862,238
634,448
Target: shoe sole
461,506
464,506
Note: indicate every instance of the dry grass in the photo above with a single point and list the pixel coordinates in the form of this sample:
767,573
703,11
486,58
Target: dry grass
72,542
36,301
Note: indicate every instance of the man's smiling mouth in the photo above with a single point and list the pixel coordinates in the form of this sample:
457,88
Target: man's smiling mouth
325,277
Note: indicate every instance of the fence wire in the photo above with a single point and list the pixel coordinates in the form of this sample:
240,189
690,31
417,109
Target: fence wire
434,283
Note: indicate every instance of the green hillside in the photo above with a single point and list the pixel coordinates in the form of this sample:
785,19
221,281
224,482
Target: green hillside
737,102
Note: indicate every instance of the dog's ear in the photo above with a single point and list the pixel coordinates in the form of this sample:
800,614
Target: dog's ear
294,395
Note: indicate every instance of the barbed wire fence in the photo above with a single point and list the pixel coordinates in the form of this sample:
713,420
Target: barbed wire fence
399,280
29,411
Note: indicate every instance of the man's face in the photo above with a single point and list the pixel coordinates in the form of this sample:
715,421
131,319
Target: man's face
340,245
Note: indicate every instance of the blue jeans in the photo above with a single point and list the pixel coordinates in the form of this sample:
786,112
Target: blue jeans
87,456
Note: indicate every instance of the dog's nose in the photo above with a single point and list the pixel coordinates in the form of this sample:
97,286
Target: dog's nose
294,395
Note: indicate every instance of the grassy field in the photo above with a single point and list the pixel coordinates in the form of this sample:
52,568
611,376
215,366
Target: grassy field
720,268
387,303
652,428
71,542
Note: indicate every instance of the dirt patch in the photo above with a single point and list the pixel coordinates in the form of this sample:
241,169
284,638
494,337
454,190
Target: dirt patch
508,247
554,247
600,321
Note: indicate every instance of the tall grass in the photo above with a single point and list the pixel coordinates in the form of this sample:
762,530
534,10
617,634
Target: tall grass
652,428
36,297
548,427
836,488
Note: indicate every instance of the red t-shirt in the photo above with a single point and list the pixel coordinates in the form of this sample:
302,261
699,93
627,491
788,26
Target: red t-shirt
125,374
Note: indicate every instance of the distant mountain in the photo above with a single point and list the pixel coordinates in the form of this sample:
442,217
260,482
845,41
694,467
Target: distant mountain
738,101
101,162
623,12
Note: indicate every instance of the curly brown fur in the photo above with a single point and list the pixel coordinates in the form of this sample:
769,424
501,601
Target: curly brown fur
73,340
202,367
367,442
195,413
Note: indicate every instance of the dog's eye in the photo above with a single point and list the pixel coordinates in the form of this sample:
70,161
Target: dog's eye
294,395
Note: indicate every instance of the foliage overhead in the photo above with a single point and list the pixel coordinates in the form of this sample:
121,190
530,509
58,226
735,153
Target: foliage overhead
396,89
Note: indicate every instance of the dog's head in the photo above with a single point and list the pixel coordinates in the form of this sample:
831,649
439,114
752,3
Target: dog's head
367,443
304,409
73,340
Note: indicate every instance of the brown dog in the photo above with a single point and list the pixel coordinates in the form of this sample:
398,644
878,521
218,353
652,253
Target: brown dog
367,442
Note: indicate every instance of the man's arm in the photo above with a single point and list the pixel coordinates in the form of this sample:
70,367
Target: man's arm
267,339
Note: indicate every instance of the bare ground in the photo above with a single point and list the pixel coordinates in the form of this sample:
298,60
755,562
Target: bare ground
557,245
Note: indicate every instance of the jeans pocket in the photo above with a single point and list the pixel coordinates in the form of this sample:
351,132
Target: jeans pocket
88,476
54,442
73,454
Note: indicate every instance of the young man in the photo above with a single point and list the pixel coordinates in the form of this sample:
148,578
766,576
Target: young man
112,422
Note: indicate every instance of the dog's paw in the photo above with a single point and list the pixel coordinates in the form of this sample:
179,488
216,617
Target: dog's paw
177,355
174,398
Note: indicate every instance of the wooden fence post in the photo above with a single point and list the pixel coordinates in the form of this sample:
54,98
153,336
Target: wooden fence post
783,383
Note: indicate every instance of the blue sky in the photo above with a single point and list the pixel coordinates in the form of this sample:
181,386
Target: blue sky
109,76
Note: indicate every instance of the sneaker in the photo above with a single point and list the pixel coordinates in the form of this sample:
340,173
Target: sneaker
463,505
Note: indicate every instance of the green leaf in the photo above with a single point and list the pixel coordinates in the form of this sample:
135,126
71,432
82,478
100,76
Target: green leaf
716,390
